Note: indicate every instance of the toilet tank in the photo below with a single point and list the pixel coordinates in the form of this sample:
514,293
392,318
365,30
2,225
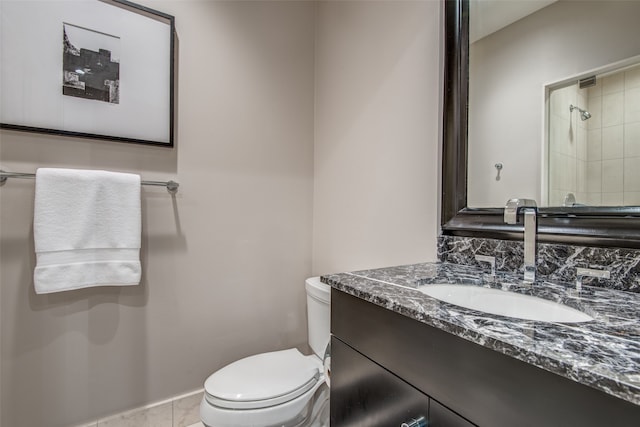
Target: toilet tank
318,314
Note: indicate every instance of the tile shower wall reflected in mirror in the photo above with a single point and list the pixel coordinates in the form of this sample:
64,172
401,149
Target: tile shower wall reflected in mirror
594,141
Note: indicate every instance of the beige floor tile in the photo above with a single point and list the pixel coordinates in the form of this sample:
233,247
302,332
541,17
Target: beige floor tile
186,411
156,416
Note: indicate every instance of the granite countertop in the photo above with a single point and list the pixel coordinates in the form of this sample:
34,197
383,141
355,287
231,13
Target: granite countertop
603,353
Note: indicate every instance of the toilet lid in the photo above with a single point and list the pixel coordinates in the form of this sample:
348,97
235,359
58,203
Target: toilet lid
263,380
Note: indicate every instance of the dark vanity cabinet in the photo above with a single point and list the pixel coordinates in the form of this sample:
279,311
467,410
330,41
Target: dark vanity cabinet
388,369
441,416
365,394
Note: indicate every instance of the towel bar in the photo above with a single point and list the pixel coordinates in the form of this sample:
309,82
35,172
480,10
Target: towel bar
172,186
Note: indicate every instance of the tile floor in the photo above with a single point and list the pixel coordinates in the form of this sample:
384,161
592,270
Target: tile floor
181,411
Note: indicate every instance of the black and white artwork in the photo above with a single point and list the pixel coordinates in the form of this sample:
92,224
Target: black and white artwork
91,64
112,80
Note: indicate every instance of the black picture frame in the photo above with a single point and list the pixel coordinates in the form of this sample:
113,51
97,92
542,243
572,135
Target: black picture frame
144,117
584,225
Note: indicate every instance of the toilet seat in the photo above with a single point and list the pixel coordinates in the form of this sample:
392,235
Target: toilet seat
263,380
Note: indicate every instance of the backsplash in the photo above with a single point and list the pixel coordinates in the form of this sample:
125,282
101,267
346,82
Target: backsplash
556,262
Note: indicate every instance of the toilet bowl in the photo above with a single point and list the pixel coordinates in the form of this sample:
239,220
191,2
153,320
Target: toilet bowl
282,388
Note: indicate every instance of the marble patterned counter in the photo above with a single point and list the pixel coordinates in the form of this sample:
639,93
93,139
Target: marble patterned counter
603,353
554,262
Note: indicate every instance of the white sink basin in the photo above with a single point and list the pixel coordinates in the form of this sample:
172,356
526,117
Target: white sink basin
503,303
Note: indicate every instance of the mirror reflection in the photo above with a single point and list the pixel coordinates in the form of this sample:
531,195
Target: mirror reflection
594,140
533,131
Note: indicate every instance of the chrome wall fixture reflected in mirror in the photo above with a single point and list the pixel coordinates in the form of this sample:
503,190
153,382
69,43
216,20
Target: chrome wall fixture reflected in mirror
513,97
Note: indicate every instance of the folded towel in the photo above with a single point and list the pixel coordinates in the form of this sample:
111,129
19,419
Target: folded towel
87,229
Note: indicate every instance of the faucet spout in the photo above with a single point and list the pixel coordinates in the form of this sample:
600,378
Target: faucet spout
529,245
529,208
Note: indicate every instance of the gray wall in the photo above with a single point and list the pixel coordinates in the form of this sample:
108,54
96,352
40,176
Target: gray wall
224,262
376,161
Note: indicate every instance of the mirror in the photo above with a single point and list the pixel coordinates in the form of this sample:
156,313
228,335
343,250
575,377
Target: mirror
500,101
527,57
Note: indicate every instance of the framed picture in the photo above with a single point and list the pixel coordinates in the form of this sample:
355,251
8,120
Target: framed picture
88,68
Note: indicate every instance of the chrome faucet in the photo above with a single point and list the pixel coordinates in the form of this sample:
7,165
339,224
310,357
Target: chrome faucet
529,208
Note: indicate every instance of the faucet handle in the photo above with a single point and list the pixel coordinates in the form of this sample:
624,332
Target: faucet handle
513,206
590,272
489,259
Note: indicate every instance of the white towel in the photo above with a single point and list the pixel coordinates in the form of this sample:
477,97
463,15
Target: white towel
87,229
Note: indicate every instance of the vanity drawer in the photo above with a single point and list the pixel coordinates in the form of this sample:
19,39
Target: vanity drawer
441,416
365,394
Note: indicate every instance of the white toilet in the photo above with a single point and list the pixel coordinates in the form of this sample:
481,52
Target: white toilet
283,388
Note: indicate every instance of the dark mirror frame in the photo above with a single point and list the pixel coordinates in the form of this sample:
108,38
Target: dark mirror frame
587,226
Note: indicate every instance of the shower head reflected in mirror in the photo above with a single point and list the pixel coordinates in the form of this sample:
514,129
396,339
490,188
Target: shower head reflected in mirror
584,114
